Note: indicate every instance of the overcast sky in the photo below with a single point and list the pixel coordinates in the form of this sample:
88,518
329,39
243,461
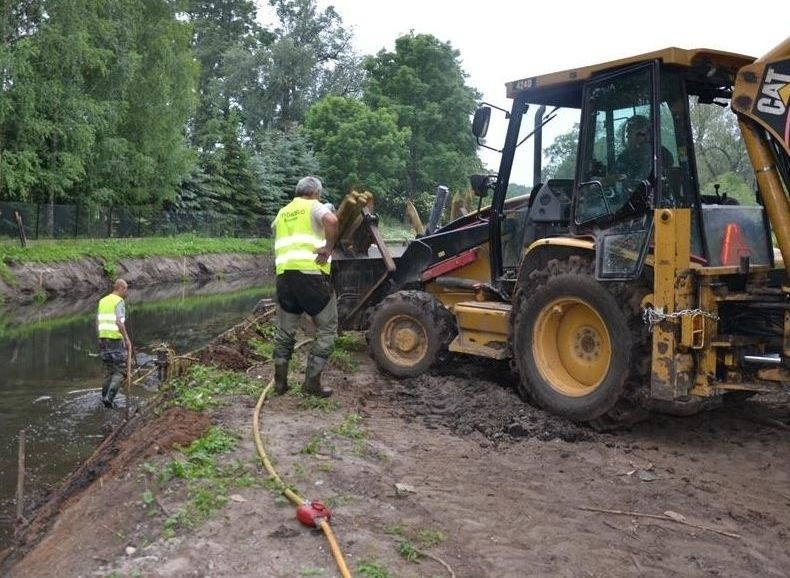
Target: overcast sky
503,40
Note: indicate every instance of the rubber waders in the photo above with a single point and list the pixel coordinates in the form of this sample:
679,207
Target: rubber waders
312,377
280,376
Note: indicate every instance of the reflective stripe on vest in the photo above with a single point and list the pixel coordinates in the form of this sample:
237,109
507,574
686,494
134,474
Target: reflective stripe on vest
108,328
295,242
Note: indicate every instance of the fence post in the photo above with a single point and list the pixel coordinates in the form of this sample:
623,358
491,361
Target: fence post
38,216
20,226
109,223
77,221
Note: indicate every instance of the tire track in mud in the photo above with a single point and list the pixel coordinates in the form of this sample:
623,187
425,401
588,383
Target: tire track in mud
470,396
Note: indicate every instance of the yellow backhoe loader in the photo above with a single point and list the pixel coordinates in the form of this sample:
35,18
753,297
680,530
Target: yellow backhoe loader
626,286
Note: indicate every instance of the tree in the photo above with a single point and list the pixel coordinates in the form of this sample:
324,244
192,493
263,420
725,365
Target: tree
356,146
94,102
311,58
140,155
561,155
284,157
423,84
225,33
720,152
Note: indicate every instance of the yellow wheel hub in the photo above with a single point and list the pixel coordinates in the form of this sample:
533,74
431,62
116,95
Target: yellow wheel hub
572,346
404,340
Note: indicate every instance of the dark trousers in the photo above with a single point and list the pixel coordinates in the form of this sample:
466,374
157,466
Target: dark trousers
113,355
299,293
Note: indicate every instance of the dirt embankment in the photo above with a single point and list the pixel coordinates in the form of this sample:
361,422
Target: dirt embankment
452,463
88,277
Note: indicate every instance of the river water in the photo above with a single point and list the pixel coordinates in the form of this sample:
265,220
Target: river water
50,375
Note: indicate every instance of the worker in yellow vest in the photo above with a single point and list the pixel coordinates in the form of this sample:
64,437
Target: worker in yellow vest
114,342
305,232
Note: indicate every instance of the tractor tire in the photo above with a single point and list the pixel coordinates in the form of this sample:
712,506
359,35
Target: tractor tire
579,344
409,332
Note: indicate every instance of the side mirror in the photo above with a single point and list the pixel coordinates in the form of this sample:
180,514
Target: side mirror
481,184
480,121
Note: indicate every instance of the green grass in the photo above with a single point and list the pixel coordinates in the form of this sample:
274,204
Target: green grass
111,251
351,427
206,481
371,569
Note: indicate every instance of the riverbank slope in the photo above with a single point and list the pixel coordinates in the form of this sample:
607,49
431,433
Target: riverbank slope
30,282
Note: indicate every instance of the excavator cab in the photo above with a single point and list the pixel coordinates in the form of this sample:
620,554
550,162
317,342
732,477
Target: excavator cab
636,154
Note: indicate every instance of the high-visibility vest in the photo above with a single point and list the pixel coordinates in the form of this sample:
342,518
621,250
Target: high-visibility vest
108,328
295,242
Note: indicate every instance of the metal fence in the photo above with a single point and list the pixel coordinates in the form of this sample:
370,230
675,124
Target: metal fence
76,221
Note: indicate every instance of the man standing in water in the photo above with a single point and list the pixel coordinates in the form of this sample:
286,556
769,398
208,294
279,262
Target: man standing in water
305,234
114,343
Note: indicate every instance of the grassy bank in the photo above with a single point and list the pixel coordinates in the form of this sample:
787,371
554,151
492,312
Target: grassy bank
110,251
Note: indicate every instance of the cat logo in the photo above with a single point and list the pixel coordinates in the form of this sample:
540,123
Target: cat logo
775,93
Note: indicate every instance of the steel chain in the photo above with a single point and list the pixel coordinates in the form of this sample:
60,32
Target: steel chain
655,316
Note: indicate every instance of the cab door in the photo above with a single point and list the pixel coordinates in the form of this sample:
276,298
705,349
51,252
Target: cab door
618,174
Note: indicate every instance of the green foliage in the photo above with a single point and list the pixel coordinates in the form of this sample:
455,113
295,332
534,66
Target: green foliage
408,551
733,185
351,427
561,155
358,148
351,341
720,151
264,349
95,102
408,537
322,404
283,156
113,250
204,387
308,58
372,569
313,447
516,190
344,360
207,483
39,296
109,269
423,84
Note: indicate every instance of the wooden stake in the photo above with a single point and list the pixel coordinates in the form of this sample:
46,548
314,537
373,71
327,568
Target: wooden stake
20,478
128,382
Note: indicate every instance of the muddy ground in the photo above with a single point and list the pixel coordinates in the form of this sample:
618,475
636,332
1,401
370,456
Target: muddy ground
452,465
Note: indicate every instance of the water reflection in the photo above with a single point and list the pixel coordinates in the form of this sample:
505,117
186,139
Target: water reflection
50,374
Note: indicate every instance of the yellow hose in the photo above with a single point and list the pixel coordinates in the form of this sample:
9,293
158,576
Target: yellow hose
295,499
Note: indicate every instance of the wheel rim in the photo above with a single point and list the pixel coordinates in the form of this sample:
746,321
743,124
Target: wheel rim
404,340
572,347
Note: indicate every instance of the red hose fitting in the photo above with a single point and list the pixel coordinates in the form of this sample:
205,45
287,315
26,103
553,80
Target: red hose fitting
311,514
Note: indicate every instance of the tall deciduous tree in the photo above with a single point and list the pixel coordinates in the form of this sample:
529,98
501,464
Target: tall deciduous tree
357,147
423,83
311,57
140,154
95,97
